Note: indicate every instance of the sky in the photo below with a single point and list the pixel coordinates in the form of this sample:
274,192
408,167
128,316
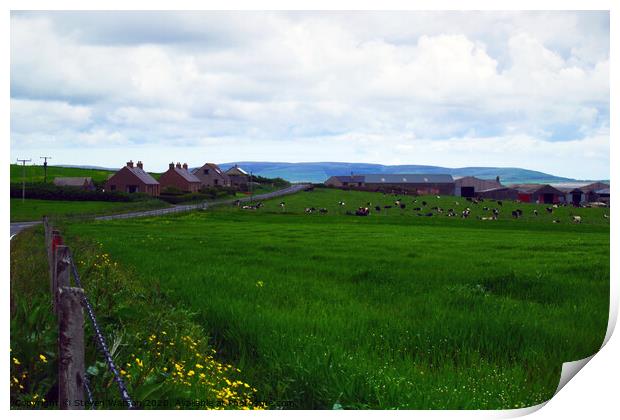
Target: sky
454,89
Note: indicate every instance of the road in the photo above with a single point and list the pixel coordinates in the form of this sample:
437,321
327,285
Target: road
19,226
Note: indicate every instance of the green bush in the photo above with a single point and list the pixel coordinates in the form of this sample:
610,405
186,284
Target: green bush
45,191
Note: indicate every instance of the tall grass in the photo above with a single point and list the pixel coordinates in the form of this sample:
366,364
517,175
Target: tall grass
387,311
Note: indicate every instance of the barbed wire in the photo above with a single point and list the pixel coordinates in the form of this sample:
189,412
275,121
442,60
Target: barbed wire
100,339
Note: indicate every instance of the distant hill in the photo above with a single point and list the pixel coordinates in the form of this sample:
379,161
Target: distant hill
320,171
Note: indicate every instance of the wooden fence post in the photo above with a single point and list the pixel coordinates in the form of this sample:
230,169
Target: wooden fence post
70,348
51,255
61,272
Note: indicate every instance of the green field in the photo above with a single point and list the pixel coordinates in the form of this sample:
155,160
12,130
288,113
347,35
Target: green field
392,310
31,209
35,173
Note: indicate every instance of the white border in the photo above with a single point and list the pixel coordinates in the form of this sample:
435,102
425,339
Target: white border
593,393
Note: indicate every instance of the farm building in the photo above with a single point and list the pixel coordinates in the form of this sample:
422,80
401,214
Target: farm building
468,186
238,177
83,182
602,195
345,181
180,178
538,193
577,193
211,175
418,183
133,179
500,193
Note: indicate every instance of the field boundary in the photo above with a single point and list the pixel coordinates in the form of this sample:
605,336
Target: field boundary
68,304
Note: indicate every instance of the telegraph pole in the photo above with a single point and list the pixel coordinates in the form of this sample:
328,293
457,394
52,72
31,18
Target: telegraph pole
23,161
45,166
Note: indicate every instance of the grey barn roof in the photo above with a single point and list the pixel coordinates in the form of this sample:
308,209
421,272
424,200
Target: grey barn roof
348,178
408,179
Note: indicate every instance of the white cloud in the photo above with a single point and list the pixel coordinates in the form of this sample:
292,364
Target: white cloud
293,80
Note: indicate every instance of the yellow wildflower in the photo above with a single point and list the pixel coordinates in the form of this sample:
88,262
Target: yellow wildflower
16,361
43,358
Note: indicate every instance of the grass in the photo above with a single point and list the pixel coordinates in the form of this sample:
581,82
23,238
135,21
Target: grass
36,173
165,359
392,310
31,209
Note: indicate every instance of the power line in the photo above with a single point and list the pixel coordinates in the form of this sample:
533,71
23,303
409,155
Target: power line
45,166
23,161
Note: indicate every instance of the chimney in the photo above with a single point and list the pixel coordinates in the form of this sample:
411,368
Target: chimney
171,165
139,164
185,166
130,164
178,165
497,179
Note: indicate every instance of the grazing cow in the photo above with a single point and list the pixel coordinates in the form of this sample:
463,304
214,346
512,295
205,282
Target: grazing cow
402,206
387,207
282,205
515,214
417,209
438,197
556,220
236,203
485,208
535,212
341,203
456,203
249,207
310,210
429,214
576,219
555,206
499,203
606,216
465,213
362,211
377,208
495,212
423,203
549,210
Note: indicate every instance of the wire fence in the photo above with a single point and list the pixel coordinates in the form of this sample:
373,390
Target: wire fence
73,381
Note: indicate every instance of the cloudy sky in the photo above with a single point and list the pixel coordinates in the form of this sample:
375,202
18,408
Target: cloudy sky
447,88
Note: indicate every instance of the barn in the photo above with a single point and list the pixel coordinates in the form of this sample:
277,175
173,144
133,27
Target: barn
501,193
538,193
578,193
345,181
82,182
469,186
179,177
133,179
421,184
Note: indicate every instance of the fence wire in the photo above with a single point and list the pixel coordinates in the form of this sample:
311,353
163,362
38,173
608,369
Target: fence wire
100,339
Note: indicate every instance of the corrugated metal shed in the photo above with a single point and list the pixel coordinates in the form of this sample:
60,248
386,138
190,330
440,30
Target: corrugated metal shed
408,179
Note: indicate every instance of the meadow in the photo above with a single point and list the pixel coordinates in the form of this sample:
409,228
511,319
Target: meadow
392,310
31,209
35,173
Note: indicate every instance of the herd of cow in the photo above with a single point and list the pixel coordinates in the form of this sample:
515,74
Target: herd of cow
492,212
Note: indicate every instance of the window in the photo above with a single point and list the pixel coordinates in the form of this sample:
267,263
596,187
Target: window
215,181
132,188
206,171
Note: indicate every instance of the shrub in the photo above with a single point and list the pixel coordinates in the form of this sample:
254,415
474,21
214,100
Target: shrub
43,191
